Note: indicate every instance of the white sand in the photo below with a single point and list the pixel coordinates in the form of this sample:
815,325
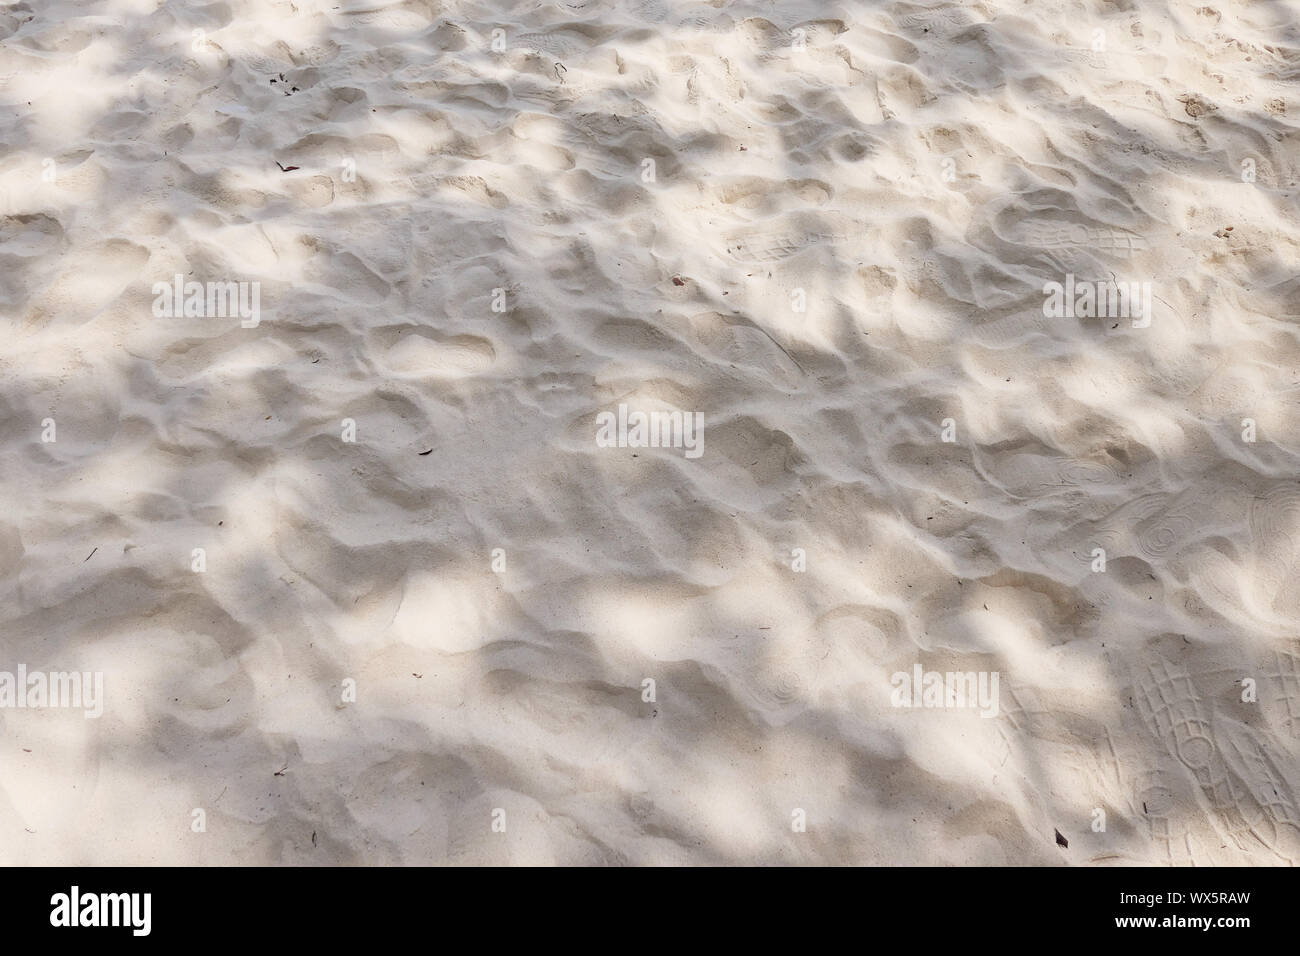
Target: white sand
776,169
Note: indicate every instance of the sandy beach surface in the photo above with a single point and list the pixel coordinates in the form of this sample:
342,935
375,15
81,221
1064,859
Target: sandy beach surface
377,570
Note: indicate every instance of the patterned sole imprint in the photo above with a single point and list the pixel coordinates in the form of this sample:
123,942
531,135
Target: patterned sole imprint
1263,800
939,22
774,247
1169,702
1010,330
1249,799
1153,804
1285,695
556,44
1274,516
1059,235
1093,58
1161,533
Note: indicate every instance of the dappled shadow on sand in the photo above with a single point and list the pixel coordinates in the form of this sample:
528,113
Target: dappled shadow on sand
780,176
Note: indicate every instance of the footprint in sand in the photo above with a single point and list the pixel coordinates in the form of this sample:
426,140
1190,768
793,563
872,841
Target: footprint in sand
1275,530
1171,706
313,192
937,22
458,357
772,246
89,283
1153,803
746,347
558,44
1284,700
1062,235
25,237
1262,800
1246,793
